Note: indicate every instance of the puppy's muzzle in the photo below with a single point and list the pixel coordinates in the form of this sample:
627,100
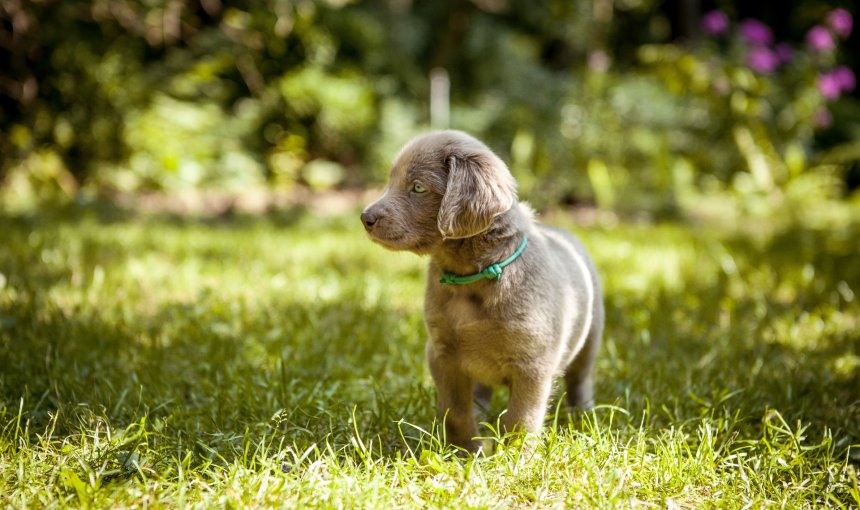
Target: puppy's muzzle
369,219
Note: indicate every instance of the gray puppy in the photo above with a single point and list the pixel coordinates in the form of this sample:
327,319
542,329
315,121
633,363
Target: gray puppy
508,302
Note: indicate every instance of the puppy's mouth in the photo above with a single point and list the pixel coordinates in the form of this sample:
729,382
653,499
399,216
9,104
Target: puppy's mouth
392,242
399,242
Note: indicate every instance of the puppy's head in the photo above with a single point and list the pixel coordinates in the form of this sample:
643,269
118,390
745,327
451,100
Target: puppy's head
443,185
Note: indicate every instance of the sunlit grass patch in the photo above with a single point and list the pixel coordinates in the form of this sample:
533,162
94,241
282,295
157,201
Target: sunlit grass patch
265,362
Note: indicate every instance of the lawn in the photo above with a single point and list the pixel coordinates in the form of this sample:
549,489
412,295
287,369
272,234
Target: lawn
278,361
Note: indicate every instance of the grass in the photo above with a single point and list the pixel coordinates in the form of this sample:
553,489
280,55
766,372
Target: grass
278,361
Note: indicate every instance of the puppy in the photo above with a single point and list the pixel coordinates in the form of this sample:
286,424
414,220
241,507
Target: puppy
508,301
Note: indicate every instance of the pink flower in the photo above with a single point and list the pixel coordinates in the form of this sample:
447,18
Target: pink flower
833,84
715,22
762,59
754,31
841,22
829,86
819,39
845,78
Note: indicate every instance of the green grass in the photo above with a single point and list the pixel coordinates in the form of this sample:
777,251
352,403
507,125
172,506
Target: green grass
279,362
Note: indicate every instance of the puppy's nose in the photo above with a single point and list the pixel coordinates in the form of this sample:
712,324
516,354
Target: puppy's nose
369,219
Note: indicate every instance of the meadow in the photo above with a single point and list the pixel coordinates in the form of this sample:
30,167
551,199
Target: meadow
278,361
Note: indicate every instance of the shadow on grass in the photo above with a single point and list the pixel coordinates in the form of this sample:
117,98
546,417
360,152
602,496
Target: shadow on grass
769,334
778,329
203,382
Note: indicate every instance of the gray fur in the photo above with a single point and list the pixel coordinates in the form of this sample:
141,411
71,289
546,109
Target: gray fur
542,320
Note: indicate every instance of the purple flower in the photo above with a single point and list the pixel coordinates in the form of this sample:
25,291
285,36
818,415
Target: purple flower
754,31
819,39
844,78
762,59
829,86
841,22
715,22
784,52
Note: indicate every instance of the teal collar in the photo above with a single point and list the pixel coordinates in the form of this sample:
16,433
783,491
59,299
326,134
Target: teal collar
494,272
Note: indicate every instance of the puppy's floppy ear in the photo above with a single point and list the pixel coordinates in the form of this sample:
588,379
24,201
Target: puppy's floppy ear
480,187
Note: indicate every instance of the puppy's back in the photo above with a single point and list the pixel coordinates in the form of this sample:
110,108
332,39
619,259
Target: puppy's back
571,258
575,275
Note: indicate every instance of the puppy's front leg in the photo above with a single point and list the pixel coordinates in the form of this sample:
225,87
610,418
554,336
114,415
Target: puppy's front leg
527,405
454,400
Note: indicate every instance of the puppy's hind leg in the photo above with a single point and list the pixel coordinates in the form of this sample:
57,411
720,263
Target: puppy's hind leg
482,395
578,375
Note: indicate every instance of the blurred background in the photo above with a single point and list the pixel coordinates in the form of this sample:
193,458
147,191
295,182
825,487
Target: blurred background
655,108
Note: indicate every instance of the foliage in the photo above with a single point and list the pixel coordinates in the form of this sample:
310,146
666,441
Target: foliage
764,103
587,100
278,361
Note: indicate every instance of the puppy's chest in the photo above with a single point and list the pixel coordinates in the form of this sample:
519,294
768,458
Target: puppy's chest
463,322
465,309
478,337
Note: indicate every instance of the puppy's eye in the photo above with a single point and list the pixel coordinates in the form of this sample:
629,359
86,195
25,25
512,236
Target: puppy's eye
417,187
